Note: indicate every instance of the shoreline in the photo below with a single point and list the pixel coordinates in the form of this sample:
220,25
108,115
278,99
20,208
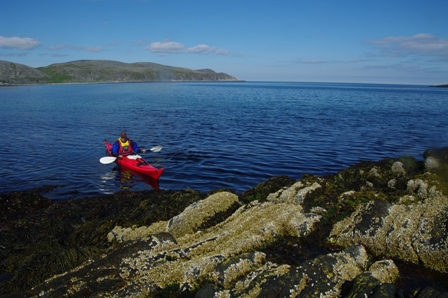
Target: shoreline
100,229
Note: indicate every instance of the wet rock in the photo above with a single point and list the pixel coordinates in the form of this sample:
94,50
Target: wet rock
398,169
222,254
201,212
206,291
262,190
332,236
416,232
429,292
324,275
378,281
295,194
436,157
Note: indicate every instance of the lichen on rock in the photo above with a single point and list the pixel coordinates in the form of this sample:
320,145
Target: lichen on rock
332,236
414,232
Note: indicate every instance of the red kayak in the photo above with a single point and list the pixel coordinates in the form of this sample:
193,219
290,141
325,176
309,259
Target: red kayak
138,165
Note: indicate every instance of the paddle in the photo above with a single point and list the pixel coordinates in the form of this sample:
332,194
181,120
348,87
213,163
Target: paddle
156,148
110,159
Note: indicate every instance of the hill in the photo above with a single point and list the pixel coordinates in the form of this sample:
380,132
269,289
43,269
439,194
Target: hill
14,73
102,71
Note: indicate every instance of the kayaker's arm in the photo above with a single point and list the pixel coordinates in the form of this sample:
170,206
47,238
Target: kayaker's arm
115,149
136,149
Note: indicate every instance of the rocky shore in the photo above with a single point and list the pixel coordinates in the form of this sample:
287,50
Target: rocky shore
376,229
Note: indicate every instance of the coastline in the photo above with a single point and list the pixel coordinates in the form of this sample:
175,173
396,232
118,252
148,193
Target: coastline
56,237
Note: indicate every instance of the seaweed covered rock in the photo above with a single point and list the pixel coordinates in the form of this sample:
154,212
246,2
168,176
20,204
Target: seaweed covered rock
323,275
436,158
369,230
412,230
262,190
197,215
193,257
41,238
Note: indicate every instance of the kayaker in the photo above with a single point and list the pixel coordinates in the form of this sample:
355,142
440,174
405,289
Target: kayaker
125,146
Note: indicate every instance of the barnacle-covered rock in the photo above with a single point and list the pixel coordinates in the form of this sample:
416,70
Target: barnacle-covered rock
283,238
414,232
222,253
294,194
435,158
324,275
199,213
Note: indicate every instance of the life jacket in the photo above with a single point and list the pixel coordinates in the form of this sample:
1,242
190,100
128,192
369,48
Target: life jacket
125,147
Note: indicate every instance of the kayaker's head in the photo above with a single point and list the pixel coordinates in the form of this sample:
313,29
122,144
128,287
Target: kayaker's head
123,136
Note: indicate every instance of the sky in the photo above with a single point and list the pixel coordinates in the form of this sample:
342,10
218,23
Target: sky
382,41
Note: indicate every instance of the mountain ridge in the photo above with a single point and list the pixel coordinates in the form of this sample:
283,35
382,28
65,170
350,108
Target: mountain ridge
103,71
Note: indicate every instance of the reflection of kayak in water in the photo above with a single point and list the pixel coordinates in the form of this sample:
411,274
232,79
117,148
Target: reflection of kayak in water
128,176
136,164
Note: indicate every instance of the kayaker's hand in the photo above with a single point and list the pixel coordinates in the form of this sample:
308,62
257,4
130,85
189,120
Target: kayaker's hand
144,150
120,156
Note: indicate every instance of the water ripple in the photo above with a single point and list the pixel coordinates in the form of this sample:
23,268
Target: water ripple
215,135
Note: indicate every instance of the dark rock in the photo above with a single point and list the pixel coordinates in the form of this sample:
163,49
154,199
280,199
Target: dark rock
436,157
429,292
324,236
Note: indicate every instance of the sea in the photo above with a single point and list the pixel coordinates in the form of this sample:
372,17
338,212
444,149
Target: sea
231,135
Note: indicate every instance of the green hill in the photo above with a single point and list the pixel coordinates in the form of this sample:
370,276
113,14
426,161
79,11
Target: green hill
101,71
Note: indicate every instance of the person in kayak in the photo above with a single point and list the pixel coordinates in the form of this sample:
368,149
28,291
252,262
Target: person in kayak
125,146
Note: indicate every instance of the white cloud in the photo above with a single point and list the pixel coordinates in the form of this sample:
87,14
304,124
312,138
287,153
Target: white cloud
15,54
58,47
315,62
301,61
56,55
170,47
165,47
422,44
201,49
94,49
21,43
222,52
77,48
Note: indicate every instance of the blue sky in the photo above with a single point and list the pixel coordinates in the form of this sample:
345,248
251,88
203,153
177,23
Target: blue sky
305,41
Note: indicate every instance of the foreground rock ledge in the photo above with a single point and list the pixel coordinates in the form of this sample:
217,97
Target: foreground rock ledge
356,225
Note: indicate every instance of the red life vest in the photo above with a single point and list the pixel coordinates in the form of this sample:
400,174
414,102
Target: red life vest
125,148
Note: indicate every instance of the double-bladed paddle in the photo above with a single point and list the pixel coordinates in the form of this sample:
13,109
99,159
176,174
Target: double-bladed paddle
110,159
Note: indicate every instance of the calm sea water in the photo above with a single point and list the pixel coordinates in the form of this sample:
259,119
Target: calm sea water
233,135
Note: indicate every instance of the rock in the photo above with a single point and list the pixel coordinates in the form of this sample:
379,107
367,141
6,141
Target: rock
392,183
384,271
333,236
324,275
206,291
295,194
222,253
429,292
416,232
418,186
435,157
432,163
397,168
197,214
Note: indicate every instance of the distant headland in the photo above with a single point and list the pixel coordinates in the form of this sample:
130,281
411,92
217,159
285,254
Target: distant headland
103,71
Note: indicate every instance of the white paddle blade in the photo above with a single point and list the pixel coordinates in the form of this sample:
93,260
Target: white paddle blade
107,159
156,148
